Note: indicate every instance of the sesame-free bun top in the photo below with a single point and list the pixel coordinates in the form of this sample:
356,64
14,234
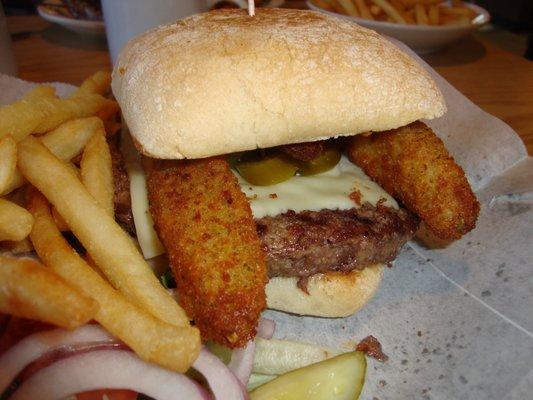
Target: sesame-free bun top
223,81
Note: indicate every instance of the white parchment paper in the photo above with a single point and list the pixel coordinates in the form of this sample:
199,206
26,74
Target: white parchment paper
456,322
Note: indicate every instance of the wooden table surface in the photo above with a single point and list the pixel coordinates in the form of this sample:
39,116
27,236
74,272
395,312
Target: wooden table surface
499,82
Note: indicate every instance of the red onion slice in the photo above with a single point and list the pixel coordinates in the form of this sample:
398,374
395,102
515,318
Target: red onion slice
266,328
222,382
242,361
108,369
31,348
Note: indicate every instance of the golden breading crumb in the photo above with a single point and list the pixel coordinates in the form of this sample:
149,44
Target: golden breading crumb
412,164
206,224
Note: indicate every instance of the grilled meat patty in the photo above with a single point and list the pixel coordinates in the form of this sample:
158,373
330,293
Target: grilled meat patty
310,242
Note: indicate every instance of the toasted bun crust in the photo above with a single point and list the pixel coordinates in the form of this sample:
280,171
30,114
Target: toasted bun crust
222,81
330,295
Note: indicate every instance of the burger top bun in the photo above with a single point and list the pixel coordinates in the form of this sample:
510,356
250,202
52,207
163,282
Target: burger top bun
223,81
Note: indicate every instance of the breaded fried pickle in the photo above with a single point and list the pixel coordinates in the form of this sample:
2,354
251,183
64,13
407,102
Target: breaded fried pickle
412,164
206,224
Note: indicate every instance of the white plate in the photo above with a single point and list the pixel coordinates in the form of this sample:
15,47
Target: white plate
421,38
81,26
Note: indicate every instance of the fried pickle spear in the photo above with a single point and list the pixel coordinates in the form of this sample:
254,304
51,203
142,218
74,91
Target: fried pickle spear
206,225
412,164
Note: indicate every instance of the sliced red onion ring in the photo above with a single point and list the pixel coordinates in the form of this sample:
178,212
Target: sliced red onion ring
223,383
108,369
266,328
31,348
242,361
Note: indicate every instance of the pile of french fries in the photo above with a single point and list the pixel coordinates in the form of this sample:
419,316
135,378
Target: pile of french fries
56,175
420,12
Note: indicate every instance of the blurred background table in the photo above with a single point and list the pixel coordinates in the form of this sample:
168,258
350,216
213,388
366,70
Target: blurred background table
498,81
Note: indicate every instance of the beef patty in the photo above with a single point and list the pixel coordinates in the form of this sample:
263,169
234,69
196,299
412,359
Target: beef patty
310,242
306,243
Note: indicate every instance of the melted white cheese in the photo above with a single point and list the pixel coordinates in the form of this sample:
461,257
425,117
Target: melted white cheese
144,225
329,190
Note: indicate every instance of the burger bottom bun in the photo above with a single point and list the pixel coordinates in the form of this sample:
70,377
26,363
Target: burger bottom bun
330,295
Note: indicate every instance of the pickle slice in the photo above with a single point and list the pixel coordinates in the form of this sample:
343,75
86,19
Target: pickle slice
267,171
324,162
338,378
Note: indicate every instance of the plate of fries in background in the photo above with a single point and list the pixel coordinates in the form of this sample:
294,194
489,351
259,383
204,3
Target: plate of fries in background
424,25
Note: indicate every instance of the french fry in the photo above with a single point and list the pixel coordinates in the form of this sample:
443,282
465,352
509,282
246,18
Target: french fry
97,172
108,111
324,4
69,139
29,290
39,92
17,247
399,6
421,15
8,161
15,221
66,142
413,3
110,247
16,182
375,10
59,221
391,11
111,126
433,14
152,339
349,7
44,114
363,9
99,83
463,11
338,8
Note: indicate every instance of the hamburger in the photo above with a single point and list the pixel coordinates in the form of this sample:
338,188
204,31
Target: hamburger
264,142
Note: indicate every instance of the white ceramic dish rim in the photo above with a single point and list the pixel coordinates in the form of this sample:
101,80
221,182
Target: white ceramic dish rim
61,19
422,28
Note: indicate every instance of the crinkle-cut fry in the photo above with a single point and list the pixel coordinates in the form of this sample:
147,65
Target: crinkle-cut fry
8,162
152,339
99,83
206,224
25,117
66,142
15,221
39,92
412,165
97,172
109,246
29,290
